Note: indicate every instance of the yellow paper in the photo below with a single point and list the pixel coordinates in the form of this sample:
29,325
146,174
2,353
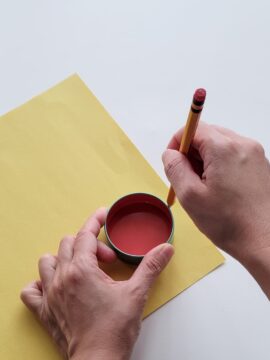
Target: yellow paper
61,157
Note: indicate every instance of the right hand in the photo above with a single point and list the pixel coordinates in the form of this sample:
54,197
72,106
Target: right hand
224,186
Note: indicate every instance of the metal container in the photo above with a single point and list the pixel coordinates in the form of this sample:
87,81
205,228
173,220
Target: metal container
136,223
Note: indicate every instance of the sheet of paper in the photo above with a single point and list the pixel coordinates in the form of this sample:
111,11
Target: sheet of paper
61,157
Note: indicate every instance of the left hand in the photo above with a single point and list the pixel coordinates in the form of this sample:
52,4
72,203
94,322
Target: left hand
85,311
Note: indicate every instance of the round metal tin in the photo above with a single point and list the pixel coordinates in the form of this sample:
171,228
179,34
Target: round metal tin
136,223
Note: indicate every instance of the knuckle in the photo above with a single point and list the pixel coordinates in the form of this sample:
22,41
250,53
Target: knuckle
215,143
211,143
171,167
56,290
255,147
222,146
154,266
81,234
44,258
228,147
23,295
231,146
73,275
66,238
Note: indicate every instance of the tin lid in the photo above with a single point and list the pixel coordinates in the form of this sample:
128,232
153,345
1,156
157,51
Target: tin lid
138,222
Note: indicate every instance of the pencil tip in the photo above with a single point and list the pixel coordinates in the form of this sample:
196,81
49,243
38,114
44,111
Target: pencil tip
170,202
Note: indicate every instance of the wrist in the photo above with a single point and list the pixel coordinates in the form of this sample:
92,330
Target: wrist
99,354
100,349
257,262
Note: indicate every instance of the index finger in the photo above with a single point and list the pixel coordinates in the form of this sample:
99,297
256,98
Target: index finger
206,136
86,239
95,222
175,141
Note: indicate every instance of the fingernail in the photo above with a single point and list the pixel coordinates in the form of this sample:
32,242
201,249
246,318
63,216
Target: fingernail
167,250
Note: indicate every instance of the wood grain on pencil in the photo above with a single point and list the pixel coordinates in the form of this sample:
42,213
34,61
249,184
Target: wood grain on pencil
189,132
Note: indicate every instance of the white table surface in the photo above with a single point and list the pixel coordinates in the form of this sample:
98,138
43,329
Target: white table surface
143,59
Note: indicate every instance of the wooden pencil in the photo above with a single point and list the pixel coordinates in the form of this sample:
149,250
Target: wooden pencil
189,131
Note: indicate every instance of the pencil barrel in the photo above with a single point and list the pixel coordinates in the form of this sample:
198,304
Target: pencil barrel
189,131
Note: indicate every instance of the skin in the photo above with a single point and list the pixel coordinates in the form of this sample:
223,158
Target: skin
224,186
88,314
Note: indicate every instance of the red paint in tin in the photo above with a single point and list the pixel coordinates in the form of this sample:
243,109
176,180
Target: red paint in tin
137,223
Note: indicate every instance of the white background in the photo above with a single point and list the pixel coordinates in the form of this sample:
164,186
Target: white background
143,60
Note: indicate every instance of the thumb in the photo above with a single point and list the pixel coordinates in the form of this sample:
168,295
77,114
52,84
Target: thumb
180,173
151,266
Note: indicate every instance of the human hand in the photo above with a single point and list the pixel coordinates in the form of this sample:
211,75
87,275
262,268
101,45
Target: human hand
225,188
85,311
